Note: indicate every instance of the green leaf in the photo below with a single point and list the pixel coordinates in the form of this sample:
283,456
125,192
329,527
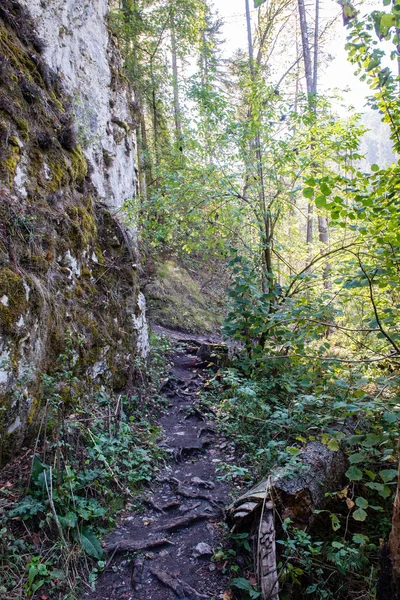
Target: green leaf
258,3
372,439
390,418
243,584
308,192
359,514
333,445
383,490
325,189
374,167
361,502
90,543
69,520
387,20
335,522
354,474
388,475
361,539
37,469
320,201
357,457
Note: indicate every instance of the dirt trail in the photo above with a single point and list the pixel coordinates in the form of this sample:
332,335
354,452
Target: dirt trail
182,524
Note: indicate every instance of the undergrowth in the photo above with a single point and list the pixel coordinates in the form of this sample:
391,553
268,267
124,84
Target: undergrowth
272,413
85,468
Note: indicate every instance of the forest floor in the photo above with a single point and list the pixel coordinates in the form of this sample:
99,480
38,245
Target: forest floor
167,550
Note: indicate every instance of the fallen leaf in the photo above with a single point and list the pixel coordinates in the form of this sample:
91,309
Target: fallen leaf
227,595
252,580
350,503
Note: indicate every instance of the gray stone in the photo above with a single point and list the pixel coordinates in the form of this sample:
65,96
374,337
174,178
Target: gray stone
202,549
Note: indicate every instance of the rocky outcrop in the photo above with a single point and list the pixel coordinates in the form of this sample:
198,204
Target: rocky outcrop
82,51
71,314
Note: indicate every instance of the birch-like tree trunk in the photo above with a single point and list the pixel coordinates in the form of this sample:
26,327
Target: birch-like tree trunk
266,225
175,85
311,73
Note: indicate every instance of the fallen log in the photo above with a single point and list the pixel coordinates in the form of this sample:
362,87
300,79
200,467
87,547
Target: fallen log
292,492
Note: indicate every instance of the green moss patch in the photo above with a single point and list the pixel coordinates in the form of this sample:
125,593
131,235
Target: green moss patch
13,302
176,301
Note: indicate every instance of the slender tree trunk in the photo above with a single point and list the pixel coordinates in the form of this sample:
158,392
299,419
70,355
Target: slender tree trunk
388,584
322,222
175,84
250,39
156,137
310,82
143,156
306,47
266,233
311,72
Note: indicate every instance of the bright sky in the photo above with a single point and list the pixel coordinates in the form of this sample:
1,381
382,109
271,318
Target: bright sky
337,74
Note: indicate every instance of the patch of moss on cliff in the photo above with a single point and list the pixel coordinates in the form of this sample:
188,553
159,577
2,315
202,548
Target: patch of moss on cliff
10,163
175,300
79,167
13,300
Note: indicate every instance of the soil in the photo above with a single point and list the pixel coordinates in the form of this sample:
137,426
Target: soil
184,504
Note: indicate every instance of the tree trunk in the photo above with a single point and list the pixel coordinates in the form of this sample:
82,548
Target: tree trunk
266,225
388,584
306,48
294,496
311,83
175,85
324,239
311,72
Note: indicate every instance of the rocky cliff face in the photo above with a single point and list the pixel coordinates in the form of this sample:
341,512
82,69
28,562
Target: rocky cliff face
69,296
81,50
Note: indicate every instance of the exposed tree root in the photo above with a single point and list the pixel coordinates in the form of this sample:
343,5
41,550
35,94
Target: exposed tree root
134,546
183,521
178,586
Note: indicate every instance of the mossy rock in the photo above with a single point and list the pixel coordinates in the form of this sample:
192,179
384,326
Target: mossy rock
13,301
176,301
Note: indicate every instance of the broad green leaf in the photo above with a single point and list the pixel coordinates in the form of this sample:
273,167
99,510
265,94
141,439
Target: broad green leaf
308,192
374,167
383,490
361,539
359,514
325,189
388,475
90,543
361,502
387,20
68,520
390,418
357,457
320,201
333,445
354,474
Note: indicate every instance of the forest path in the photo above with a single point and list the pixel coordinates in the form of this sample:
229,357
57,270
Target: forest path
181,527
